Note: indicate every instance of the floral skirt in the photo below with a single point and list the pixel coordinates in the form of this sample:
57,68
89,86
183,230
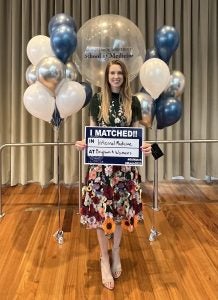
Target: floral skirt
111,195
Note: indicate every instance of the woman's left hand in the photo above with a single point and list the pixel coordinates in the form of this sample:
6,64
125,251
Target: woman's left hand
146,148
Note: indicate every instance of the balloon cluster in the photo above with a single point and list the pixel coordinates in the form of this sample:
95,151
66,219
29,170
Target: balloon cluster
53,93
160,95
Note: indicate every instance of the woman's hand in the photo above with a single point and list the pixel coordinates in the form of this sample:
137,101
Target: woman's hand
146,148
80,145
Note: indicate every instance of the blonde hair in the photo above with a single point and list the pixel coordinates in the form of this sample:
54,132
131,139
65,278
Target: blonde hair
125,93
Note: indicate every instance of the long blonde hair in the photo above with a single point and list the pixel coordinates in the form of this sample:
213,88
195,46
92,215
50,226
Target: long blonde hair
125,93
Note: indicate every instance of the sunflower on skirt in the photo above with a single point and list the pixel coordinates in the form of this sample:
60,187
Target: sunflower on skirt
129,224
108,226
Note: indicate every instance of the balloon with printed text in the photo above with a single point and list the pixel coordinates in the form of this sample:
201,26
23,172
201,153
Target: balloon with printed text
104,38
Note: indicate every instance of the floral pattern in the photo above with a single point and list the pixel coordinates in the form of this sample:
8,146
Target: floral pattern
112,194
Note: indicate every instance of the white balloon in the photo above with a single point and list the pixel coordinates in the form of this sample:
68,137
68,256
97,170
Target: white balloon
39,47
70,97
154,76
39,101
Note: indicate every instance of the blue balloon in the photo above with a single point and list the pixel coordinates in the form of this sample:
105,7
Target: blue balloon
166,42
151,53
88,90
168,111
61,19
63,42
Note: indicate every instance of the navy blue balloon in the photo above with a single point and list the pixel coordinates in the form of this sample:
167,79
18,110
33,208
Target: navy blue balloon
63,42
166,42
151,53
168,111
88,90
61,19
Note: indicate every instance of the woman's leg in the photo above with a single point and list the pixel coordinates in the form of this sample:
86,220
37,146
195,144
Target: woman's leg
107,278
116,263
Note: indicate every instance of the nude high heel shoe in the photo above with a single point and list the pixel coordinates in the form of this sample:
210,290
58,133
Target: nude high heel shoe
107,278
116,263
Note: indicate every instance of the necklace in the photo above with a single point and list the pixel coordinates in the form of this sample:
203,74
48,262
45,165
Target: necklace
116,110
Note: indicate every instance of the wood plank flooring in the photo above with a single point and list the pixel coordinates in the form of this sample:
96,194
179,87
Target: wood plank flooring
180,264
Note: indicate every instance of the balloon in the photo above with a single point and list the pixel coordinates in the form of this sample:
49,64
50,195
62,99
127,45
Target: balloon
70,98
147,108
168,111
61,19
176,84
166,42
31,74
39,101
63,42
50,71
151,53
107,37
88,90
154,76
39,47
71,71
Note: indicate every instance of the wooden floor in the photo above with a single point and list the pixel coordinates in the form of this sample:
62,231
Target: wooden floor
180,264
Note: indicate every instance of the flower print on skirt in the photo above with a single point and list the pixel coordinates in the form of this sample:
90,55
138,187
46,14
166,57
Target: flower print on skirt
111,195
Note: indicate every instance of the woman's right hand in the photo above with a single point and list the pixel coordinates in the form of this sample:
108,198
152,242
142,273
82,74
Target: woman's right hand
80,145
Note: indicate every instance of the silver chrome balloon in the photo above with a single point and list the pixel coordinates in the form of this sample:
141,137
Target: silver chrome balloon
50,71
176,84
31,74
71,71
147,108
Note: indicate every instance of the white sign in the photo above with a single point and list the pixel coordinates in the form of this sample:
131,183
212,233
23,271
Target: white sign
114,145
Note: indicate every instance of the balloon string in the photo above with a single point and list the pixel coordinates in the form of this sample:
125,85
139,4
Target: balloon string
58,177
155,184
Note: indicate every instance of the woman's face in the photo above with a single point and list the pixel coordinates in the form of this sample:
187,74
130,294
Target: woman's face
115,77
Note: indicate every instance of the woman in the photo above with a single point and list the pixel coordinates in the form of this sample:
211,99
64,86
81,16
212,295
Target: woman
111,197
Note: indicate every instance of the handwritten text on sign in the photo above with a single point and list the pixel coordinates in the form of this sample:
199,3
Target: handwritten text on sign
114,145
